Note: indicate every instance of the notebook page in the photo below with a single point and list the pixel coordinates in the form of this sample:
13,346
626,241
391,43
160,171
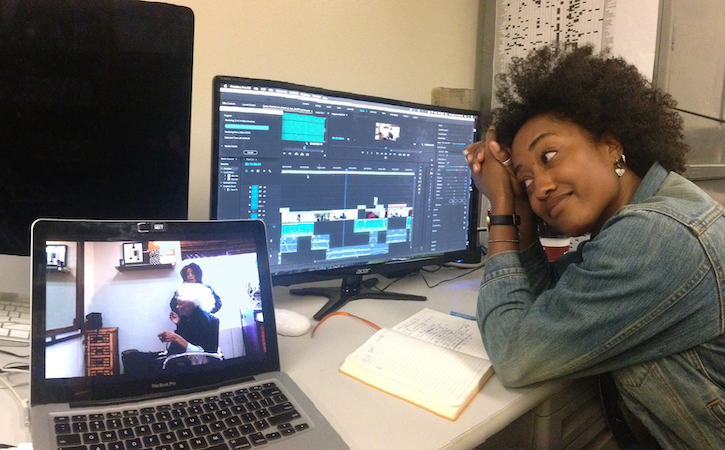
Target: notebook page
447,331
433,370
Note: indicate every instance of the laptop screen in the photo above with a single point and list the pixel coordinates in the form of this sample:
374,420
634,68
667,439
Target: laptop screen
128,309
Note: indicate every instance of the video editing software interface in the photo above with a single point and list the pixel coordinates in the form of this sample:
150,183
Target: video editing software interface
342,180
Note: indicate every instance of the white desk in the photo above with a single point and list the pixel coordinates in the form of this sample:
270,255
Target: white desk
370,419
365,417
12,417
16,278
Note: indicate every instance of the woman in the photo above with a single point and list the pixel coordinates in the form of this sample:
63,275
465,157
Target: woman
586,144
196,330
192,273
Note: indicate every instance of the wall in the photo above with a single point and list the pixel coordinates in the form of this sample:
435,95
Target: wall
691,66
389,48
635,33
628,29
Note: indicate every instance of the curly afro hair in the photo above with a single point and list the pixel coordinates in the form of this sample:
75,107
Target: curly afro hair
602,94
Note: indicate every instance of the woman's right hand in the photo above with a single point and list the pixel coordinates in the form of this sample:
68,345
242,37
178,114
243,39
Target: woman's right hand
491,170
175,338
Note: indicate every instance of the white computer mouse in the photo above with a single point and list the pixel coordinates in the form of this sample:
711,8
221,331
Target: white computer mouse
290,323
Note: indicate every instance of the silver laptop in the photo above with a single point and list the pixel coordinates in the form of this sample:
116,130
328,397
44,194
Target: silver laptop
160,335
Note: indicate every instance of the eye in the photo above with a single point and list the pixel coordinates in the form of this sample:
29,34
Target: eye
527,182
547,155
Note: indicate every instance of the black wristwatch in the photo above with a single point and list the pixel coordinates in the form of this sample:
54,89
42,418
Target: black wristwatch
510,220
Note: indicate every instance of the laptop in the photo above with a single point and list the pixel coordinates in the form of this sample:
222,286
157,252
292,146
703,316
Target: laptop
160,335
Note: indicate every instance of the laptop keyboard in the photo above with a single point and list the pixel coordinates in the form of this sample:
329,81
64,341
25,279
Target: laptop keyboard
14,318
240,419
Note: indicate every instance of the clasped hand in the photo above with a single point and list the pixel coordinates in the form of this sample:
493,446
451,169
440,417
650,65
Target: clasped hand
492,172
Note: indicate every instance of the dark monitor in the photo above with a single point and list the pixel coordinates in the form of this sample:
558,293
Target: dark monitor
95,112
348,185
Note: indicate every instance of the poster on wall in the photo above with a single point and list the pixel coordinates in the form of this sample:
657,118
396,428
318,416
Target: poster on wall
524,25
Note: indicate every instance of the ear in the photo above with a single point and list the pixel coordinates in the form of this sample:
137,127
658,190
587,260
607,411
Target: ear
613,146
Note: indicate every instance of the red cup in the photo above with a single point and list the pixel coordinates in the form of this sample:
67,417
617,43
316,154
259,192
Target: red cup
555,247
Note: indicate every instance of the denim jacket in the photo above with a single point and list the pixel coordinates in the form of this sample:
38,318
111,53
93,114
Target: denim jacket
643,299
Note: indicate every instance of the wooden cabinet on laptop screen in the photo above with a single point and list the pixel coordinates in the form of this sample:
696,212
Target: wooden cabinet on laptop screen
102,352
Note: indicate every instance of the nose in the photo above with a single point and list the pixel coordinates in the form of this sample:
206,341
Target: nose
543,185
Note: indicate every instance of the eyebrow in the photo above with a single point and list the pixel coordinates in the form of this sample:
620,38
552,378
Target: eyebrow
538,138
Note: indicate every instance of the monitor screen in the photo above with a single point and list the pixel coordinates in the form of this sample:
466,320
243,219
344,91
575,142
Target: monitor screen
347,184
96,112
125,309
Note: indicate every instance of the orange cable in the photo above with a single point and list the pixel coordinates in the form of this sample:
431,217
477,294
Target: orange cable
342,313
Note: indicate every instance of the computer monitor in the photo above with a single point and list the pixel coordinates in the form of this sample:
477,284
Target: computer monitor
348,185
95,112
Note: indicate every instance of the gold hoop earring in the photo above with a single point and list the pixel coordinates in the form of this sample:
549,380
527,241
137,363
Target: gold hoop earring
619,165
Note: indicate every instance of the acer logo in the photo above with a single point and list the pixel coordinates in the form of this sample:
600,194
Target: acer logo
362,271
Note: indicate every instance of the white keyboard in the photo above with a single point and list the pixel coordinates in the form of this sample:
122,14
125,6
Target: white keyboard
14,318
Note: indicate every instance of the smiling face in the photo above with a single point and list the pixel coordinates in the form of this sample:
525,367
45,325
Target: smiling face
569,178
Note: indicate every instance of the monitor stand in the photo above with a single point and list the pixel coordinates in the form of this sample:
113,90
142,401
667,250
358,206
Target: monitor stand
353,288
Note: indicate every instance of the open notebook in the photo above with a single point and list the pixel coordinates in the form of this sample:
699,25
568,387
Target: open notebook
160,335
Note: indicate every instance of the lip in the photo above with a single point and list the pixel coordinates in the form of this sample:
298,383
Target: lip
555,205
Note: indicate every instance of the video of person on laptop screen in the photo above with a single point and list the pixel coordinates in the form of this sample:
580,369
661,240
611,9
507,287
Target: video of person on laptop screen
386,132
136,308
